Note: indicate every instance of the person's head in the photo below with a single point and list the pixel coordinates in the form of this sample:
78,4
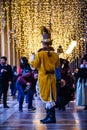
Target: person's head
3,60
84,61
23,61
76,70
59,49
46,37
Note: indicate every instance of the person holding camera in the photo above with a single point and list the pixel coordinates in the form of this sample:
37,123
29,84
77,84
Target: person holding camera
5,79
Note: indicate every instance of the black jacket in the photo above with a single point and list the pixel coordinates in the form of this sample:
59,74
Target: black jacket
7,74
82,74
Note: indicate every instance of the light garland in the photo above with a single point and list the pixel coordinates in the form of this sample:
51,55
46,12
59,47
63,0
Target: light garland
62,17
71,47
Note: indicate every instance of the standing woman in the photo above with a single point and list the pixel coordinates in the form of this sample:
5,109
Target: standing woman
24,66
81,91
46,61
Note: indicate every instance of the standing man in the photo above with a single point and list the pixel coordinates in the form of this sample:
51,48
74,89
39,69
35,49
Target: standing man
5,79
46,61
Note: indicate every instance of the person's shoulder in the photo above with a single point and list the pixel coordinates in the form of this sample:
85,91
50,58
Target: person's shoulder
83,67
9,66
41,52
40,49
54,53
51,48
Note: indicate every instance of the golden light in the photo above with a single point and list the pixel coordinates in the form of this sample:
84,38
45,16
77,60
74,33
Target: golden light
63,18
71,47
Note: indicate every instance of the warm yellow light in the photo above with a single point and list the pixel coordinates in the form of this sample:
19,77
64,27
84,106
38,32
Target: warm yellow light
71,47
64,19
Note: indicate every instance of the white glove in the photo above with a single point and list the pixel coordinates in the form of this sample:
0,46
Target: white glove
32,67
32,57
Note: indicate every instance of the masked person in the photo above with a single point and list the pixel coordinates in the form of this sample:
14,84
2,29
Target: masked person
46,61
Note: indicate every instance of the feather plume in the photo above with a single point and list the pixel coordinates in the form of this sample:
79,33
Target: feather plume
44,30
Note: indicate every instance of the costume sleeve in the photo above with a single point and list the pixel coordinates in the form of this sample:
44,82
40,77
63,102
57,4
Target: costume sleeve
36,62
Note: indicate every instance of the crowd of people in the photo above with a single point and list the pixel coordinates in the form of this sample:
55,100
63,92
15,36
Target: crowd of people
53,76
17,81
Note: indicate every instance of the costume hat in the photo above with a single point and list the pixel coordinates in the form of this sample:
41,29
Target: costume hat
46,36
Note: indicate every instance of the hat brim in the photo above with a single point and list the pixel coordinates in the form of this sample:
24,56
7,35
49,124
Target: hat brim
46,40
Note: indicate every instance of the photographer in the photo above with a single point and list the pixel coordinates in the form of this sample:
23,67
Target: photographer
5,79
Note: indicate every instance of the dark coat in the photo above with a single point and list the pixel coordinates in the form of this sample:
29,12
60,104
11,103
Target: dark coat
82,74
5,77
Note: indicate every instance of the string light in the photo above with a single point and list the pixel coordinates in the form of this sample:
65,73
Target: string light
71,47
63,18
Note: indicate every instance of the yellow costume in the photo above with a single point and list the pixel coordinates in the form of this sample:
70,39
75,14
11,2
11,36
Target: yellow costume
46,61
46,73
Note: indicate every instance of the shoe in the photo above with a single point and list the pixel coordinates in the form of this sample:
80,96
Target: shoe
48,120
85,108
56,106
0,101
63,109
47,115
59,108
50,117
6,106
31,108
20,110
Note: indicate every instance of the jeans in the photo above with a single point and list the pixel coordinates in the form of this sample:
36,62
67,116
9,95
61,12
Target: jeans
21,95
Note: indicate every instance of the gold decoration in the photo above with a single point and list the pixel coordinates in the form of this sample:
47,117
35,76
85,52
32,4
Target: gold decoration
62,17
